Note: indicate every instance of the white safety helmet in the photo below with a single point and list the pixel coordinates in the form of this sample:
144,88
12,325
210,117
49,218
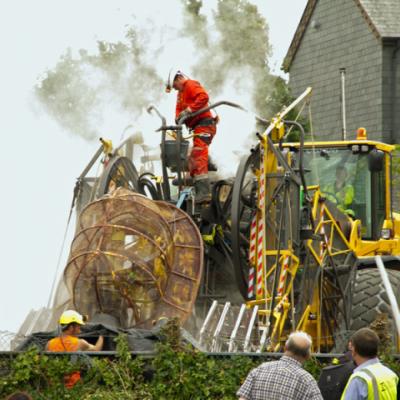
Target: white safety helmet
173,73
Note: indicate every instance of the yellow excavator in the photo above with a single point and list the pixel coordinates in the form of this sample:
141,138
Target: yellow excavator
304,237
318,215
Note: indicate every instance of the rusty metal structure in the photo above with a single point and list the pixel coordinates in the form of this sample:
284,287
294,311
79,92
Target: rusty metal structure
134,258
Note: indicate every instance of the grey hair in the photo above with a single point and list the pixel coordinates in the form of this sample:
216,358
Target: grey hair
293,346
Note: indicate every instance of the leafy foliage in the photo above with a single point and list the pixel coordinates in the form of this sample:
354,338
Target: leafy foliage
177,371
233,47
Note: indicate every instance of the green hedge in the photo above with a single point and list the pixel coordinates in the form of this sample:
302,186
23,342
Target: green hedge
177,372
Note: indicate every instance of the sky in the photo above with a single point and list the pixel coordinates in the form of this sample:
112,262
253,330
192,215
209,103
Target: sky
40,159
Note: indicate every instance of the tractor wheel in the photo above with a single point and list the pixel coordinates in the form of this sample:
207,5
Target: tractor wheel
244,207
369,301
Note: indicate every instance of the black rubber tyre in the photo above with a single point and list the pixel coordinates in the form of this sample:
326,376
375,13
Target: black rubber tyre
244,205
369,300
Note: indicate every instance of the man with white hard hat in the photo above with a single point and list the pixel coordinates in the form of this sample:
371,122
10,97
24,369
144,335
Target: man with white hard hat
193,97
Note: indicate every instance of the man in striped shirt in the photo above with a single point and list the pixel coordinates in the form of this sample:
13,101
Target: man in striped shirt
284,379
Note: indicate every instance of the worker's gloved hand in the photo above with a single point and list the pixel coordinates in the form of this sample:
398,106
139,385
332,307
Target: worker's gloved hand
184,114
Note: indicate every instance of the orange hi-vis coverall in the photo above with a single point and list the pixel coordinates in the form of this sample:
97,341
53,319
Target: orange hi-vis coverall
61,344
193,95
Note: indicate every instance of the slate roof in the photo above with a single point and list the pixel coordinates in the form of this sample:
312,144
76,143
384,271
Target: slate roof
382,16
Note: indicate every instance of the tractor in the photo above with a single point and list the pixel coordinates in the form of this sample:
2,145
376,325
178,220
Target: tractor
275,251
311,262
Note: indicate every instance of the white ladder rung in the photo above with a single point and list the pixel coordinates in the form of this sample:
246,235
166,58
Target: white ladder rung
236,328
250,328
215,346
207,320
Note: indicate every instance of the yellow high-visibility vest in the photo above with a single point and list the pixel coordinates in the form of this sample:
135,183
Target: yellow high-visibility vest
344,197
381,382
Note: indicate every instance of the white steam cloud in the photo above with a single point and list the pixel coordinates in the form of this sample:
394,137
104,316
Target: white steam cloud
226,48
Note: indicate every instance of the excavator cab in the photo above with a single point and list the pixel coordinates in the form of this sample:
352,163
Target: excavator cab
354,178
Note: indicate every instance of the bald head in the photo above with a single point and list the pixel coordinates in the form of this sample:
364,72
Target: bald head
299,345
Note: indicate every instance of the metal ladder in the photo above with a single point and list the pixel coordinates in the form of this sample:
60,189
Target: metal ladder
228,328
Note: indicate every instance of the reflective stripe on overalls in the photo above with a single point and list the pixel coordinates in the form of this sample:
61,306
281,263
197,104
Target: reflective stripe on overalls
203,133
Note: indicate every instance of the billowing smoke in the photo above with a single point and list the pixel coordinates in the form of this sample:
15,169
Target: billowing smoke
79,89
226,48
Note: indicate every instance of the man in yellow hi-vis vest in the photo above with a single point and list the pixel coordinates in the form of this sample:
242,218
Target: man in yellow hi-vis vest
371,380
340,192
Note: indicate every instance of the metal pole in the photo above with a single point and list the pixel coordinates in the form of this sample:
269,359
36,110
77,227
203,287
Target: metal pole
247,339
290,107
215,342
207,320
236,328
390,293
343,101
394,91
91,162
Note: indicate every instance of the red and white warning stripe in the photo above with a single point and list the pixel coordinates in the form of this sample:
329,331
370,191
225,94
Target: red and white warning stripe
250,290
282,278
260,226
278,307
322,231
253,240
252,256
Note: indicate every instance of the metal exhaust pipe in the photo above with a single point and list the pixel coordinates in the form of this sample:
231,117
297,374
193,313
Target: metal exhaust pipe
343,101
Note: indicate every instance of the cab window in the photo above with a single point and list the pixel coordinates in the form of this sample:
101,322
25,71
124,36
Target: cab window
346,181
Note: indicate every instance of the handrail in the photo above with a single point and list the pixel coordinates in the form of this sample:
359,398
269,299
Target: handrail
389,290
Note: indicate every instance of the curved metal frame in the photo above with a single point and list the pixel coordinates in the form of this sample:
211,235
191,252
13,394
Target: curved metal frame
130,175
147,183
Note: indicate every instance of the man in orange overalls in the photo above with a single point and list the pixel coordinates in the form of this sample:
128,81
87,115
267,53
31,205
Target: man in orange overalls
70,323
191,98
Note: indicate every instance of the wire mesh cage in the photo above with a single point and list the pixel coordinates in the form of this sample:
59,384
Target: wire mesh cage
135,259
